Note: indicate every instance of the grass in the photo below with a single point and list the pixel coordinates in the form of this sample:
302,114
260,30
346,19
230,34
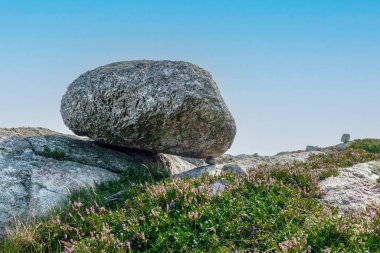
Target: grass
56,154
369,145
274,209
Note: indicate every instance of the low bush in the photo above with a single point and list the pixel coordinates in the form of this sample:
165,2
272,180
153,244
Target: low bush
369,145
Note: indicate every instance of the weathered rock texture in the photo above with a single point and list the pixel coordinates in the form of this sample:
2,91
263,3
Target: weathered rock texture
168,107
31,183
247,162
354,188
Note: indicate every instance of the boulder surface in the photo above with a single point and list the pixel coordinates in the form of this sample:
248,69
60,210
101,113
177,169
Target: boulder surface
170,107
39,168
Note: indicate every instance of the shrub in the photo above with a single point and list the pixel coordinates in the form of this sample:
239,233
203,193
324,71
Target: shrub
369,145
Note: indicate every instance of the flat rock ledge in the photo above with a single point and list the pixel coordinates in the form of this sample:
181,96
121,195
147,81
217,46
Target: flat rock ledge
354,188
39,168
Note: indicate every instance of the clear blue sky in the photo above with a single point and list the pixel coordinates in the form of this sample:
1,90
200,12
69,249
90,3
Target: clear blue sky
293,73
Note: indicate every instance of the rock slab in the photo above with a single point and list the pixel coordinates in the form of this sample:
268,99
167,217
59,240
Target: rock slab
354,188
171,107
31,182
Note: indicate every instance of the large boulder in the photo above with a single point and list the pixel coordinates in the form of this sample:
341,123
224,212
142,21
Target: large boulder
171,107
39,168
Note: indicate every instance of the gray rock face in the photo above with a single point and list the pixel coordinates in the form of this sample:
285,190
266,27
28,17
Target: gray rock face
176,164
345,138
341,146
354,188
196,172
234,169
312,148
158,106
31,182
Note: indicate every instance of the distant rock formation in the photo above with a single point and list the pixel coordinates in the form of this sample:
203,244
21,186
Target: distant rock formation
312,148
345,138
170,107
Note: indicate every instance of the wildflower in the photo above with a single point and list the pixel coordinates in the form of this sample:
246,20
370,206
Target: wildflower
155,213
372,213
128,245
68,250
57,220
77,204
193,215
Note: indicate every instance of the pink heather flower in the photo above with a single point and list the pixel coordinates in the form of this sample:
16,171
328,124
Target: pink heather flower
77,203
372,213
68,250
282,246
128,245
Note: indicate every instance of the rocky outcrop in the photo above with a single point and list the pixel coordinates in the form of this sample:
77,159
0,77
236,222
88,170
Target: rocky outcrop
354,188
312,148
168,107
39,168
176,164
345,138
234,169
247,162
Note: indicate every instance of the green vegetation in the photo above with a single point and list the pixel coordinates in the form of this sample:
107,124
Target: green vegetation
275,209
53,153
369,145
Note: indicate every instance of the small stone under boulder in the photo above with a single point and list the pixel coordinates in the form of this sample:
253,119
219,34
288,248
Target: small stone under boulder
170,107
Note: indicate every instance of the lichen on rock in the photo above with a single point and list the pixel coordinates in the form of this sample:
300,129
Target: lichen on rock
171,107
